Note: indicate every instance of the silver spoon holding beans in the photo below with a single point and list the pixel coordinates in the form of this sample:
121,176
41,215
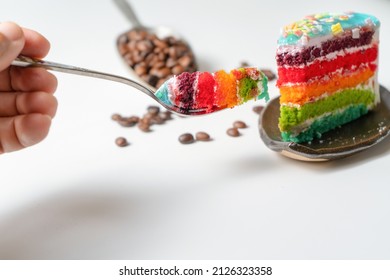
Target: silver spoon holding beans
153,54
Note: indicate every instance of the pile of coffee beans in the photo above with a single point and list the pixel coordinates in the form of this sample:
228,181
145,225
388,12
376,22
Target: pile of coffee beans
155,59
152,116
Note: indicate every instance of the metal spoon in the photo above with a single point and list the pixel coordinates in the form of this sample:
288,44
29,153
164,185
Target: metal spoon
128,11
175,49
23,61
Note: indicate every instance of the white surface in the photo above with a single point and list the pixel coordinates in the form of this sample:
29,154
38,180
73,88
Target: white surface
77,195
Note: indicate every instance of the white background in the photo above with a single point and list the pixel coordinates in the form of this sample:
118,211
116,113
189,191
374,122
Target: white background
79,196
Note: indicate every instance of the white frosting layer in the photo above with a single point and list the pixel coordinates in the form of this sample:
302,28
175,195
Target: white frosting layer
317,42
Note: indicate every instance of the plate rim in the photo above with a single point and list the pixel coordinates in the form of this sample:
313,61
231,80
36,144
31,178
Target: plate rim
302,152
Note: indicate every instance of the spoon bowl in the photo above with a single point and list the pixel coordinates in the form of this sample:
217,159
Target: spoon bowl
153,54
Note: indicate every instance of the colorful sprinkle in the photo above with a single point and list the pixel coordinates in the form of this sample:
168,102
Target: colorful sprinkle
318,25
337,29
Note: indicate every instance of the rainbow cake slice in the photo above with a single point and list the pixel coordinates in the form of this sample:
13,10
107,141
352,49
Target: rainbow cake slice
209,92
327,73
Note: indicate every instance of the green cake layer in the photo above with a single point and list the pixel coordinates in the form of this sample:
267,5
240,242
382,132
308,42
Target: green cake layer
246,86
326,123
293,116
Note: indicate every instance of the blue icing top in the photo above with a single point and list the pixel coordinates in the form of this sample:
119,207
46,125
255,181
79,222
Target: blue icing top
162,93
324,24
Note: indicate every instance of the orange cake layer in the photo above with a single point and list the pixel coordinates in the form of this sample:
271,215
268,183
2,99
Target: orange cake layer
302,93
226,91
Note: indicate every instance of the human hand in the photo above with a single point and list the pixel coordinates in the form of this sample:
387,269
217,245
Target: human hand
27,103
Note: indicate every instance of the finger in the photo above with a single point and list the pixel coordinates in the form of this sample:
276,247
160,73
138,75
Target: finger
23,131
30,79
21,103
5,80
15,40
12,41
36,45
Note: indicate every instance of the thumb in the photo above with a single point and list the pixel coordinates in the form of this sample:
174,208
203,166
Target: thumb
11,43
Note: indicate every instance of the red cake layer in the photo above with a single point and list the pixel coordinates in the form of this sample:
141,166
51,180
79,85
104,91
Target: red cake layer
320,68
206,84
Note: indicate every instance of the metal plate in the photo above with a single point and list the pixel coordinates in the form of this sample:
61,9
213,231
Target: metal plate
344,141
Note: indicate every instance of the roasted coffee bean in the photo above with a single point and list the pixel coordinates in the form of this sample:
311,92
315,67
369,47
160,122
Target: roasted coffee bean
157,120
126,122
166,115
152,80
160,72
161,82
244,64
146,119
176,70
269,74
160,43
233,132
153,110
185,61
140,69
121,142
239,124
123,39
258,109
134,119
145,46
186,138
144,126
202,136
171,62
154,59
116,117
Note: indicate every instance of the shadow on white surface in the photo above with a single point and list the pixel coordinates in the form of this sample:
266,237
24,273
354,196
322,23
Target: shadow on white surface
81,225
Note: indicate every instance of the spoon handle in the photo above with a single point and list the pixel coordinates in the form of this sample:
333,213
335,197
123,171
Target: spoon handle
128,11
23,61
